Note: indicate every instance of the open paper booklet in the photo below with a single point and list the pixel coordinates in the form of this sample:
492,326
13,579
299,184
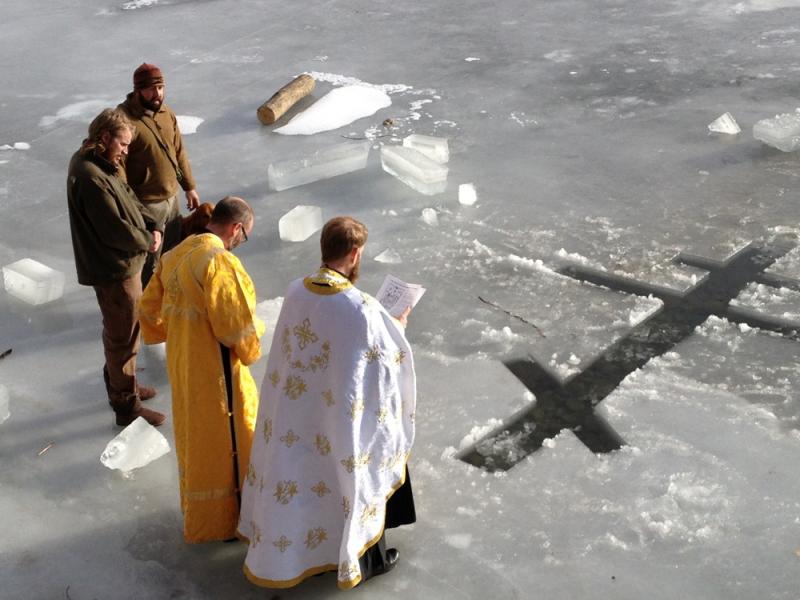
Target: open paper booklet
396,295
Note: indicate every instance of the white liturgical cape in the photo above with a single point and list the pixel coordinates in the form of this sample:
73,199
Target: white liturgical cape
334,430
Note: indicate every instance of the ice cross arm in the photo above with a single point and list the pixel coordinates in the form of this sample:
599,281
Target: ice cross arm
396,295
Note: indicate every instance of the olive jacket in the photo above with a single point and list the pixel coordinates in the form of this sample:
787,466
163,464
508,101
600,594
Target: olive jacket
157,162
109,235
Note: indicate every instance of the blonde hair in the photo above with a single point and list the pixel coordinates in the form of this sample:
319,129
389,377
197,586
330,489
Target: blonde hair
111,120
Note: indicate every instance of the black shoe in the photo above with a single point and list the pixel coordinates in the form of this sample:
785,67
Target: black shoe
392,556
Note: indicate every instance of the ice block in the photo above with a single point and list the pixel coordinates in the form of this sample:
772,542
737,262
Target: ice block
467,194
299,223
5,411
33,282
136,445
781,132
434,148
323,164
414,169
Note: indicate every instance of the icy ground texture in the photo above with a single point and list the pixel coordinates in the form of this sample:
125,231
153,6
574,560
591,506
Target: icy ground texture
584,127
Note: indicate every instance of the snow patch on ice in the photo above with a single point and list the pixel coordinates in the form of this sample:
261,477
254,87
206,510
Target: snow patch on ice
85,110
188,124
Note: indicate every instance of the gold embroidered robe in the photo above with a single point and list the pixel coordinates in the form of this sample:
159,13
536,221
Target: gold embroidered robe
201,297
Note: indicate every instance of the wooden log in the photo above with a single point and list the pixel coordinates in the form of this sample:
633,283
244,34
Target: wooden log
284,98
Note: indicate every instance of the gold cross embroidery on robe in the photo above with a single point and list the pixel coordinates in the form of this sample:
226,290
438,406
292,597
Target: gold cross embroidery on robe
294,387
290,438
323,444
321,489
373,354
282,543
285,491
315,537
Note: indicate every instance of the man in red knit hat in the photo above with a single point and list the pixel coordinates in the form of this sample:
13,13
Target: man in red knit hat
157,164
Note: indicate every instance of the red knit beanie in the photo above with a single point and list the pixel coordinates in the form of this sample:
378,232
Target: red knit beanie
147,75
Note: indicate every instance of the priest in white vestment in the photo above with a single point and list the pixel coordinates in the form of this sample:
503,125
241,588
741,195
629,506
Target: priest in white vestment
335,427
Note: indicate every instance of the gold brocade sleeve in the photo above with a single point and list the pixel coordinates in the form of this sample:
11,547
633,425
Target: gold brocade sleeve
154,330
230,301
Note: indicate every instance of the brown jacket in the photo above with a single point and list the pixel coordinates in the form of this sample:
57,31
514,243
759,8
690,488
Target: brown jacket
156,155
109,234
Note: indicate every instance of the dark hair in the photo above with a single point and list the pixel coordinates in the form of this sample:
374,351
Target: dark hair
112,121
232,210
339,236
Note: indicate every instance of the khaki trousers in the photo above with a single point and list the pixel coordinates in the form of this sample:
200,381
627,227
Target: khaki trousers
119,305
167,212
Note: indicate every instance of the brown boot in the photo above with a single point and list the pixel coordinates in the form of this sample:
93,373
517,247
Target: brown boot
128,407
153,417
146,392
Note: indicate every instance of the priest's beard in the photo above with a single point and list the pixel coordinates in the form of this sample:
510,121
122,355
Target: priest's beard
355,272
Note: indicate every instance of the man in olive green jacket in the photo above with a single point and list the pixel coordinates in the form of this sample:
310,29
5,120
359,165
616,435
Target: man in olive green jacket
110,239
157,164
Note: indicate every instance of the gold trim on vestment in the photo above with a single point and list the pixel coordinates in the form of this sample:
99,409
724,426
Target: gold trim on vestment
342,585
326,282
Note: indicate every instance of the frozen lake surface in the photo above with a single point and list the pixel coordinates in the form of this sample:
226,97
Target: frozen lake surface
603,204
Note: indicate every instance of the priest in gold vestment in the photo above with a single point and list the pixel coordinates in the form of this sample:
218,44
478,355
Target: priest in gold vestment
201,301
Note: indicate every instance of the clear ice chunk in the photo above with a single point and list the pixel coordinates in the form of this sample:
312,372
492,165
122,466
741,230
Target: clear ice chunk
467,194
724,124
430,217
414,169
435,148
136,446
5,411
781,132
390,257
322,164
33,282
299,223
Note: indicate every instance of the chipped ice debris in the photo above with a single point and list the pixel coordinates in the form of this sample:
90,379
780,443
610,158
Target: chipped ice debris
134,4
344,80
563,368
389,256
643,308
472,59
467,195
690,509
22,146
188,124
430,217
574,257
782,302
522,119
499,336
477,432
781,132
724,124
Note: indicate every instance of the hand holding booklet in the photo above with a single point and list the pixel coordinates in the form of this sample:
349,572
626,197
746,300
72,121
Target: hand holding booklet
396,295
